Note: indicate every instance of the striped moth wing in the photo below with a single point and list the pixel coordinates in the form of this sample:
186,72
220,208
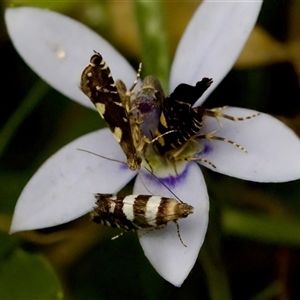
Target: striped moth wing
139,211
97,83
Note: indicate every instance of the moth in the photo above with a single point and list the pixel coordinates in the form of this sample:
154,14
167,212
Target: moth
112,101
178,114
139,212
183,122
131,117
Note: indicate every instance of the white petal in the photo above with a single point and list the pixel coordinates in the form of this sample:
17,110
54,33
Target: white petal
273,148
63,188
212,41
162,247
58,48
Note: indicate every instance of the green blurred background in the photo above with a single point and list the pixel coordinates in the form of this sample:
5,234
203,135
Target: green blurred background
252,246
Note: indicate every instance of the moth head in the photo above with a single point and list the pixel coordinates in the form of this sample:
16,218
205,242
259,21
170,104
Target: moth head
134,163
184,210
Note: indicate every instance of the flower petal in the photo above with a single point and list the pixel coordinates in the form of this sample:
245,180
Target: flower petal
273,148
212,42
58,48
63,188
162,247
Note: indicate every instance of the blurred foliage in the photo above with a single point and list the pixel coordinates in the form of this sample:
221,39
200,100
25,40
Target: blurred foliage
26,276
252,245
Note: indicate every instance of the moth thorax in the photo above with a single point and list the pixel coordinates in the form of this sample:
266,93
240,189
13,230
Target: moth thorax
146,101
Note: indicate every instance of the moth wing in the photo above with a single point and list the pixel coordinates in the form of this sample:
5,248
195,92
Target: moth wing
98,84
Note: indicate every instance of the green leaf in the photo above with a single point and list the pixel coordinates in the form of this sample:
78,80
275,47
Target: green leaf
51,5
25,108
7,243
153,39
27,276
262,227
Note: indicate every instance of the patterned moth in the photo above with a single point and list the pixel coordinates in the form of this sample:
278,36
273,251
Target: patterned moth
112,103
139,212
131,117
183,122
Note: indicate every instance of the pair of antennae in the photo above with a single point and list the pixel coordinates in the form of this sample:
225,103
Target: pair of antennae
118,161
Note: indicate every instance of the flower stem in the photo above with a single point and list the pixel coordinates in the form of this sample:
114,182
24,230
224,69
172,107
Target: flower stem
211,258
153,38
272,291
20,114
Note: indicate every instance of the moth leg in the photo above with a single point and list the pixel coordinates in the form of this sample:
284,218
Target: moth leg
145,141
216,113
200,159
211,136
158,137
179,155
162,227
117,236
178,233
143,232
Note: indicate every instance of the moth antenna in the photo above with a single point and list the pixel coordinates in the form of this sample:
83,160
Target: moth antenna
115,160
164,185
146,186
174,166
148,162
138,75
108,158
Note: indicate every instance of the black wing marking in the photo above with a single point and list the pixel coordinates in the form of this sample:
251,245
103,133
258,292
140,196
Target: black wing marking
97,83
178,115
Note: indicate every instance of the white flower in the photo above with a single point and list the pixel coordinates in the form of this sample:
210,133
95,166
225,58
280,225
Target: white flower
58,49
